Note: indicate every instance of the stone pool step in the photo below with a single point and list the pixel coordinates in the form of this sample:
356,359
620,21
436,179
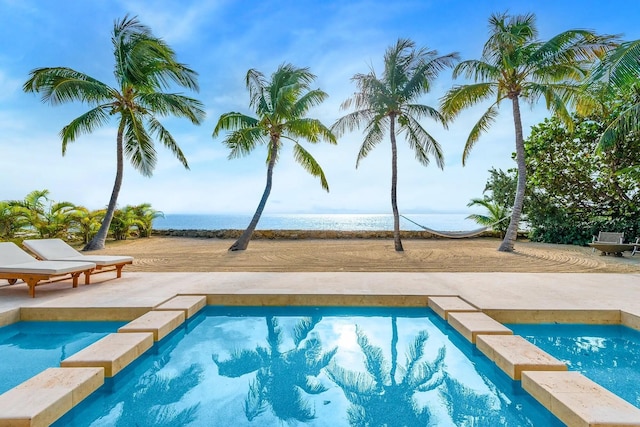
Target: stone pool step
113,352
470,325
577,401
514,354
159,323
190,304
442,306
43,399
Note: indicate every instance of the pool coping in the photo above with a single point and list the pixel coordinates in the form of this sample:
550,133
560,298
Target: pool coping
451,309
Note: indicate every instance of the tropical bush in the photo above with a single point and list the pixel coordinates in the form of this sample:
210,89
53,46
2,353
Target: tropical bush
40,217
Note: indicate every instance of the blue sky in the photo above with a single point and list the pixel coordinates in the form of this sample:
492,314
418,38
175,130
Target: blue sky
221,40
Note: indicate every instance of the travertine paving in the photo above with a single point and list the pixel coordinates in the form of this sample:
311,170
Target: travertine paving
499,297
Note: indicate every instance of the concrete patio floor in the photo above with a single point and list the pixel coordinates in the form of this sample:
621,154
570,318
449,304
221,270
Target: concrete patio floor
505,297
509,297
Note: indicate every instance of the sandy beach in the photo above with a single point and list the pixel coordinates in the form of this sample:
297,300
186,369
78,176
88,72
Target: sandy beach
174,254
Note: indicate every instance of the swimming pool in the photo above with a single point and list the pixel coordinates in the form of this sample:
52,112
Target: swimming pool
607,354
318,366
27,348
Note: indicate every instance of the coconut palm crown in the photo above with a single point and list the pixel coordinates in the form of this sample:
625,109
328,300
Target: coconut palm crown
281,105
515,65
144,66
386,105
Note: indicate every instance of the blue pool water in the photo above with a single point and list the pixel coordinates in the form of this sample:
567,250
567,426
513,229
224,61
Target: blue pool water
28,348
607,354
311,366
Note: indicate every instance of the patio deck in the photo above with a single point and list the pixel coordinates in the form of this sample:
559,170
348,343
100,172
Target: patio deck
512,297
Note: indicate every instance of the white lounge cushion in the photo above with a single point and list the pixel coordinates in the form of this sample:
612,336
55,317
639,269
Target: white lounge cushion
15,260
59,250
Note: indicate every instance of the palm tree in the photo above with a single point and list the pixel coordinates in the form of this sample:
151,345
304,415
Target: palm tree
515,65
383,103
281,376
280,106
371,393
144,66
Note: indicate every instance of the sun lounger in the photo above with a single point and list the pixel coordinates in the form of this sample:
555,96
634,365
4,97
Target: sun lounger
612,243
59,250
16,264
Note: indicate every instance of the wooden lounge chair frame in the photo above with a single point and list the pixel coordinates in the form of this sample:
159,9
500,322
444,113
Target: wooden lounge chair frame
612,243
32,280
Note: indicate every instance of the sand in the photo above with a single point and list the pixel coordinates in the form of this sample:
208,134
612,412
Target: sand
168,254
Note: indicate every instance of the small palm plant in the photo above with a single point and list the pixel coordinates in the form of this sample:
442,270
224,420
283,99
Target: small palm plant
495,217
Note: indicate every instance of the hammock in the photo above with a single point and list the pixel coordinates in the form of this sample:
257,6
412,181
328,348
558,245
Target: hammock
456,234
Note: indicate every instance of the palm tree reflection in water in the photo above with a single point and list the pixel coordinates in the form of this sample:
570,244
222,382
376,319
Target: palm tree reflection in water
281,377
377,397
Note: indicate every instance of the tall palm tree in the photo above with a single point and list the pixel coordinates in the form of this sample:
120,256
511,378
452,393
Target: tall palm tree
383,103
280,105
144,66
515,65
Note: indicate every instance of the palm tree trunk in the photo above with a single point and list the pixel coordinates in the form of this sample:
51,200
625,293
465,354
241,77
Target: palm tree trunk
394,184
100,238
511,235
243,241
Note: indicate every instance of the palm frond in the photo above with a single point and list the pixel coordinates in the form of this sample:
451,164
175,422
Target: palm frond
84,124
167,140
483,124
422,143
138,145
375,132
306,160
351,121
234,121
460,97
477,70
621,66
310,129
625,123
60,84
178,105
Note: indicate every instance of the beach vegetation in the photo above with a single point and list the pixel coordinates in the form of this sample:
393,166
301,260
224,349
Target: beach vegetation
495,214
280,104
387,105
37,216
145,66
518,67
575,189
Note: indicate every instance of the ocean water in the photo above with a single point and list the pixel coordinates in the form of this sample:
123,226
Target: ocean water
341,222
